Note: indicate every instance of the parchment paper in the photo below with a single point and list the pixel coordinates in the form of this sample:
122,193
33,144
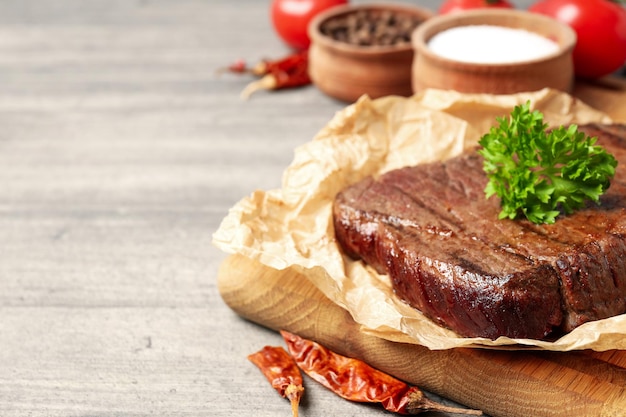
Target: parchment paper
292,226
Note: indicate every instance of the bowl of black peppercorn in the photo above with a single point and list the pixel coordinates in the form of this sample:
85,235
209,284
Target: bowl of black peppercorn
361,50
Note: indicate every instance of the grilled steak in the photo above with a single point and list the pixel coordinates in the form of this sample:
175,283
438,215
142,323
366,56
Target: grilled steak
431,229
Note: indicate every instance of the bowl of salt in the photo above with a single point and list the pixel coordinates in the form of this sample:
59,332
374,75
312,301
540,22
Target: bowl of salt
494,51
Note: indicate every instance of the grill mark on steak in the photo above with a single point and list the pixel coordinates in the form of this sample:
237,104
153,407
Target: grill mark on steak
432,220
466,193
432,230
447,226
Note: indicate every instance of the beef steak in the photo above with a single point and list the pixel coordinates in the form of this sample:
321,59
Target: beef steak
431,229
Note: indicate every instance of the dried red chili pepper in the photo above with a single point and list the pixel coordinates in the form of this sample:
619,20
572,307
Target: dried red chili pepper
291,71
355,380
282,372
288,63
266,66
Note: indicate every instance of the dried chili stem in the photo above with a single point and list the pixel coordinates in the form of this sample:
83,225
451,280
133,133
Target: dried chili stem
268,82
282,372
355,380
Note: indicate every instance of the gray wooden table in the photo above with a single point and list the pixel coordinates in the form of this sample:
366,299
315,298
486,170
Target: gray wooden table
120,152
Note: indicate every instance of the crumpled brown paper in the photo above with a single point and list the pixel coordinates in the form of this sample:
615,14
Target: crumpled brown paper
292,226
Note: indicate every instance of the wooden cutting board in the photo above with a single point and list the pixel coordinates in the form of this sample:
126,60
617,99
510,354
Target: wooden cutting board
501,383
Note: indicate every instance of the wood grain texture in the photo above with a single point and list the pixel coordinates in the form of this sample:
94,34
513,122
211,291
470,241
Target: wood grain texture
501,383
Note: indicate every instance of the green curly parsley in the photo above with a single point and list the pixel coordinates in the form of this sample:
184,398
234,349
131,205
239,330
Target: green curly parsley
539,173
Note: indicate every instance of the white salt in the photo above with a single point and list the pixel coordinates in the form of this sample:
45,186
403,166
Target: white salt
486,44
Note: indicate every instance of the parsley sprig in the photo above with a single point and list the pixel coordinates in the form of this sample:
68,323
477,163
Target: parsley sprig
539,172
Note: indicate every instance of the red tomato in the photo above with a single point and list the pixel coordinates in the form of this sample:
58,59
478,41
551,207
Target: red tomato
451,6
601,29
291,18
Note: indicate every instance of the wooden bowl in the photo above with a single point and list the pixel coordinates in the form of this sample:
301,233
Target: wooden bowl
347,71
555,70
